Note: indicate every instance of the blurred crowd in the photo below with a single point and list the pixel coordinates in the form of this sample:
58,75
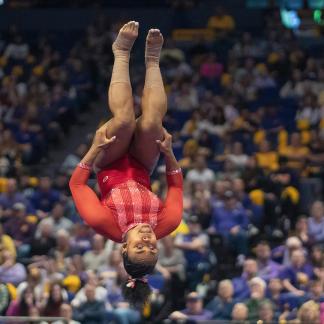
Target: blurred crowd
247,116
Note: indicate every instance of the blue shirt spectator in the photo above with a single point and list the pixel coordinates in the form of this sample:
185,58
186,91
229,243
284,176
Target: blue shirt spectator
44,197
296,277
316,222
222,305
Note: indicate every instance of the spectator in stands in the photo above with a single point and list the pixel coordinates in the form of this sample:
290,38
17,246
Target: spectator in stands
17,50
71,161
294,87
282,253
240,313
297,276
172,260
45,242
257,297
44,197
274,293
221,21
295,153
241,284
22,305
267,159
4,298
35,281
53,300
301,231
309,313
237,156
97,256
194,245
12,196
18,226
316,222
100,292
194,310
56,220
91,311
267,269
222,304
200,172
6,243
66,312
10,270
266,312
230,220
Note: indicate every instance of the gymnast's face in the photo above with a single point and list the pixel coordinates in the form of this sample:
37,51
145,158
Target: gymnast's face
141,244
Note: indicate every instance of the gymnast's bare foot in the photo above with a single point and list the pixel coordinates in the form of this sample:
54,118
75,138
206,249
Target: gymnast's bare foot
154,42
126,37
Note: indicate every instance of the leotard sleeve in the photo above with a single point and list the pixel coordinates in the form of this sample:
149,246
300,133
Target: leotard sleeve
91,210
171,214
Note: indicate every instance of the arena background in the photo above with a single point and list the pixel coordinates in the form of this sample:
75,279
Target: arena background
245,85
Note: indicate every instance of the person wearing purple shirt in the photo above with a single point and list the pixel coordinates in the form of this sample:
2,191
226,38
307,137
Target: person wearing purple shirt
10,271
231,221
316,222
296,277
268,269
240,284
12,196
194,310
45,197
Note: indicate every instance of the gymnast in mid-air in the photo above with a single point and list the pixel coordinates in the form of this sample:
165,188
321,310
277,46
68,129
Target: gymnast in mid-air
124,153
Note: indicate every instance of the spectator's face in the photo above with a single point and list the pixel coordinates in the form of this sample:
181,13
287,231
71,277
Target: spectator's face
66,311
11,186
298,258
316,288
302,225
250,267
317,254
238,185
237,148
200,163
240,312
257,291
45,183
225,290
295,139
90,292
46,230
194,228
194,305
264,147
275,286
263,252
317,210
56,293
98,242
58,211
230,203
266,312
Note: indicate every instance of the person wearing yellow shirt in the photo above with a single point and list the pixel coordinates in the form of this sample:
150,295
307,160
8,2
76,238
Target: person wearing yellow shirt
221,21
295,153
266,158
6,243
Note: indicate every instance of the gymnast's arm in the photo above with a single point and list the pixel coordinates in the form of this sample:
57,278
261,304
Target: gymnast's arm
86,201
171,214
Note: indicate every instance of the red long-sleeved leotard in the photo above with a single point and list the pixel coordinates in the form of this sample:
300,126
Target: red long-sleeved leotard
126,205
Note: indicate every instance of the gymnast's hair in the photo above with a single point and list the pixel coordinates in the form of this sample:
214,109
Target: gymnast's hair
136,290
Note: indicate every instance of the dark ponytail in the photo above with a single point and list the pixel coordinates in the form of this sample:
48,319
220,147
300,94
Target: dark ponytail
136,290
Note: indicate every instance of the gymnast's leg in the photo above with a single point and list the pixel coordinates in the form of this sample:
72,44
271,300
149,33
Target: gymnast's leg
154,106
120,99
